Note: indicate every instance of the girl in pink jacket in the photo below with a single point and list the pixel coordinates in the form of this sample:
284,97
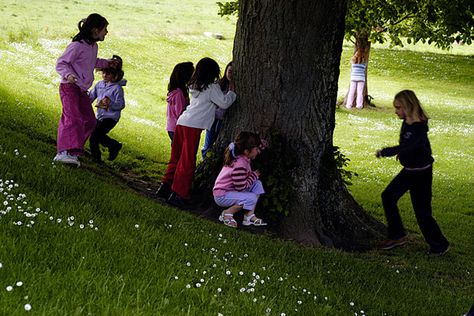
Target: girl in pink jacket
76,67
237,187
178,95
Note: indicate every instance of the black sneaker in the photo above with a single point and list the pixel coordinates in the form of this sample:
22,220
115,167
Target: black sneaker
164,190
97,160
438,253
470,312
113,152
175,200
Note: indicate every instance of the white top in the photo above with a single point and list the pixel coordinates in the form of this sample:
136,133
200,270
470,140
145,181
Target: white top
201,111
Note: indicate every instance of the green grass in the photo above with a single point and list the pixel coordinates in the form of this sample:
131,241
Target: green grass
133,258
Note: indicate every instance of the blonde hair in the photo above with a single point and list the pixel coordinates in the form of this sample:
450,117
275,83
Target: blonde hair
360,56
410,104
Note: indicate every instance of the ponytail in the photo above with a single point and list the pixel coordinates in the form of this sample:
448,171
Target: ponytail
244,141
85,26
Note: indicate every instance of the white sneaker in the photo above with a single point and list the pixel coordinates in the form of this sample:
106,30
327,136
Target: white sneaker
66,158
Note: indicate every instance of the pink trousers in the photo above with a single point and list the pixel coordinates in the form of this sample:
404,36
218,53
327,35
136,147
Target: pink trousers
77,119
359,86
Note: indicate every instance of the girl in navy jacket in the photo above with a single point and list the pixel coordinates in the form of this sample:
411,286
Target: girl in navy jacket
414,153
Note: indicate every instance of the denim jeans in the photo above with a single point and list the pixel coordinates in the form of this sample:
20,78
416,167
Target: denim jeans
211,136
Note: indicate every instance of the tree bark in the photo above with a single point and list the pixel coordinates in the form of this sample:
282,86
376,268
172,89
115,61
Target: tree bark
286,68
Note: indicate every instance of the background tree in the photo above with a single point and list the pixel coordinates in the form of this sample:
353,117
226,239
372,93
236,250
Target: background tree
286,66
441,22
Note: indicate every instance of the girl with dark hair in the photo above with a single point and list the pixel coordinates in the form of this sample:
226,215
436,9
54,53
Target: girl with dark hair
76,68
237,187
206,96
414,153
178,95
111,102
225,83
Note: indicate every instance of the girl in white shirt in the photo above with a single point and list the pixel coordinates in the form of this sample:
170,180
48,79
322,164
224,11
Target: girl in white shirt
206,94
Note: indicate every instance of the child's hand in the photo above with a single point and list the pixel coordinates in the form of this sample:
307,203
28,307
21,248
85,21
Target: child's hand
257,172
71,78
114,62
231,85
104,103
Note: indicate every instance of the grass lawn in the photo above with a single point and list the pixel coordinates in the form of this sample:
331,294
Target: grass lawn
81,241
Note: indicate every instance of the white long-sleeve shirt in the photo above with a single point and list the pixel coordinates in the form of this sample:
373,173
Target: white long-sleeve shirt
202,109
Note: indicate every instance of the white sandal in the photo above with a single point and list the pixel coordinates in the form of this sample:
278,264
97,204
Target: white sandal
256,222
228,219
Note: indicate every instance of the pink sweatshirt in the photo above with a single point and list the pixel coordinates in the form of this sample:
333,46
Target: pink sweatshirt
80,59
236,177
176,105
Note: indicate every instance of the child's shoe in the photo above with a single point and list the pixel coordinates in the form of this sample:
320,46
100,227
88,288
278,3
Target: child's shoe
113,152
66,158
175,200
228,219
253,220
392,243
164,190
438,253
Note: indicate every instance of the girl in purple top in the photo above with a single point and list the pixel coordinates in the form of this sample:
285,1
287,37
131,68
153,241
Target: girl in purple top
237,187
178,95
76,67
110,103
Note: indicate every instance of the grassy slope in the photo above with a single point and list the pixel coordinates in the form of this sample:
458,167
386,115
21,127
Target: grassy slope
121,268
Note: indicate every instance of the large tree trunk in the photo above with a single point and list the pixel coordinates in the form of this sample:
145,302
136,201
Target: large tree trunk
286,67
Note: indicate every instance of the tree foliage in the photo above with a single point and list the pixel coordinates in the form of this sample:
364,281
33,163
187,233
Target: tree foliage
441,22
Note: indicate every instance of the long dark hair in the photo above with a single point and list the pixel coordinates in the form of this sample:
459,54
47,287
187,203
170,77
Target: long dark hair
243,141
224,82
93,21
207,71
180,76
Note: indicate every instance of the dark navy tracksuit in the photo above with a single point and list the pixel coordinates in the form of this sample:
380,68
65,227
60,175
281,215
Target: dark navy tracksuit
414,153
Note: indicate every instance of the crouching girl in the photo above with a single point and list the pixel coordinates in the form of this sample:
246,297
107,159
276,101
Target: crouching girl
237,187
